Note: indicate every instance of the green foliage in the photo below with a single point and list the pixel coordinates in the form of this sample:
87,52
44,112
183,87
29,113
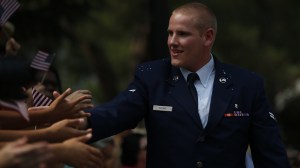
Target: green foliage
70,27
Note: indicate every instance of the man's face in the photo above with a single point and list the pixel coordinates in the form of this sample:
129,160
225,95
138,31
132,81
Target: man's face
186,44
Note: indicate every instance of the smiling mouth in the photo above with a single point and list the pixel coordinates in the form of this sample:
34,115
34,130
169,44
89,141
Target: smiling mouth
176,52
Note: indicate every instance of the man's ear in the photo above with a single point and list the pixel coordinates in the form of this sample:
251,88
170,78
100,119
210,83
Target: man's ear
209,37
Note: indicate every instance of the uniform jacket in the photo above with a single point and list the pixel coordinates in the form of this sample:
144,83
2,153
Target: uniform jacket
239,116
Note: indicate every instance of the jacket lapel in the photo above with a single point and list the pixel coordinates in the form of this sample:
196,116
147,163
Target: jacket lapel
221,96
179,91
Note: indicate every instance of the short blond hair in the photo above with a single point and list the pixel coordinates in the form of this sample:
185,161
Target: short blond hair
206,17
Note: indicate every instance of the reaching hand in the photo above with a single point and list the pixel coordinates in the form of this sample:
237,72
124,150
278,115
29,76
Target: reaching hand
22,155
87,102
63,107
77,94
66,129
12,47
78,154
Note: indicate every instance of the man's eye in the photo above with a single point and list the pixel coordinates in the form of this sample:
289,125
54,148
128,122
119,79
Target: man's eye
182,33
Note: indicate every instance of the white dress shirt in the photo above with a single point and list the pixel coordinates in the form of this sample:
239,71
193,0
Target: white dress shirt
204,88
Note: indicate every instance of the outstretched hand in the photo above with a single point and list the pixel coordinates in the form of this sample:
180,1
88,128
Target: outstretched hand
78,154
66,129
23,155
12,47
83,104
63,107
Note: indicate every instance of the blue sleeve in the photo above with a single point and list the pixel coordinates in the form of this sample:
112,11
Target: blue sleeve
266,146
122,113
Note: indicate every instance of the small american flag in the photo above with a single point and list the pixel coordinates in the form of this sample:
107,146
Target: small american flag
42,61
40,99
7,8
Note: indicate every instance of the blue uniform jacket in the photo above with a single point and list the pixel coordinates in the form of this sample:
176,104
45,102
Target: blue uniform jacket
239,116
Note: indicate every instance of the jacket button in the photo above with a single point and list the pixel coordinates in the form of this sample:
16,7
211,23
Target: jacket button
201,139
199,164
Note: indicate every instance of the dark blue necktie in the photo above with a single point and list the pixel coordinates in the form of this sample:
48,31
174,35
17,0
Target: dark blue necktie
192,77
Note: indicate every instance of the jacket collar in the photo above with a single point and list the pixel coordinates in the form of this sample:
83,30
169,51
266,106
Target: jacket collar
221,94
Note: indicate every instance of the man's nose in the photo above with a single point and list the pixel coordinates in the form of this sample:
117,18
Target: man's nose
173,40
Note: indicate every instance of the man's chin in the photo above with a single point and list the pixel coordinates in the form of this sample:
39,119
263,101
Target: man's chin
175,63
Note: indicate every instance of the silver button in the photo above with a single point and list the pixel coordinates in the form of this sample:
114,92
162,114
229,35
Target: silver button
199,164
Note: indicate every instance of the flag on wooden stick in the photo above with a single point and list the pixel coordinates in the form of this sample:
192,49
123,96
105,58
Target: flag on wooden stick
42,61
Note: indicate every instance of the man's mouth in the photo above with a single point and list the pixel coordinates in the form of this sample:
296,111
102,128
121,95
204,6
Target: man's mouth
176,52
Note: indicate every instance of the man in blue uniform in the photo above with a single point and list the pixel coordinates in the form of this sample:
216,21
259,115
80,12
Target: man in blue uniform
198,111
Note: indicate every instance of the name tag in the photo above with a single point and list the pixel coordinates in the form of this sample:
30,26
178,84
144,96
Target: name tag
162,108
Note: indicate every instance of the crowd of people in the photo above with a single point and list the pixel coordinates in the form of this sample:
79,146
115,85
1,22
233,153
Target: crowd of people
47,136
198,111
39,136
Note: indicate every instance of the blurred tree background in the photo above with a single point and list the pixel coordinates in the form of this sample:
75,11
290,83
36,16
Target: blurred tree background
99,42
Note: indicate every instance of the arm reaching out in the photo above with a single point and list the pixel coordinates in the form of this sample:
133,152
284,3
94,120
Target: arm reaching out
57,132
64,107
76,153
23,155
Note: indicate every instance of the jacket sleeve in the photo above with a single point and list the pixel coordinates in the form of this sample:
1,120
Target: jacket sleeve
266,145
122,113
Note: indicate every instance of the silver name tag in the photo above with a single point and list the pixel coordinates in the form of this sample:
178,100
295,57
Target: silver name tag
162,108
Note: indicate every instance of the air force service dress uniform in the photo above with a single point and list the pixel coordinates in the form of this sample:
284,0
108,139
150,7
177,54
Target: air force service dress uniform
239,115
